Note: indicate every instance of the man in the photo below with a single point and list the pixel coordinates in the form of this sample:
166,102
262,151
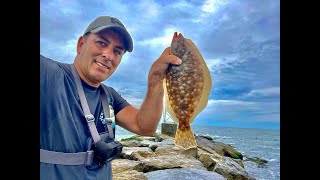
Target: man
64,129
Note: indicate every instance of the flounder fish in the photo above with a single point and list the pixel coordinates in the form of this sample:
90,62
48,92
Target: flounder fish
187,88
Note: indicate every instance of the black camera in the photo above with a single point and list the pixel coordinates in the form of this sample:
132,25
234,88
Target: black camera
105,150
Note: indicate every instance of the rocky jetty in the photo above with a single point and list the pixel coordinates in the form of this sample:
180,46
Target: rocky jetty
157,158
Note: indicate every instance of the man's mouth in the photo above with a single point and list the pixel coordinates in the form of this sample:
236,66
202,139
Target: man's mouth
102,65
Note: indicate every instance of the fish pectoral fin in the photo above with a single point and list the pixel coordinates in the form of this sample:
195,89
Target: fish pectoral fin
185,139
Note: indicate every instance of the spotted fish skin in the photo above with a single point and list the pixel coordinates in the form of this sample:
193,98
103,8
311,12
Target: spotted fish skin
187,87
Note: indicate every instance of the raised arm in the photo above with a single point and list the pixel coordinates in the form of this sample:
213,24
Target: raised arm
144,121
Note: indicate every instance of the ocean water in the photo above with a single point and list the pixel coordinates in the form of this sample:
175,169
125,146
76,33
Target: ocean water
261,143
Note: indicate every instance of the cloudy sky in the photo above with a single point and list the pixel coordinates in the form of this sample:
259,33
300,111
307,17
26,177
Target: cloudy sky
239,40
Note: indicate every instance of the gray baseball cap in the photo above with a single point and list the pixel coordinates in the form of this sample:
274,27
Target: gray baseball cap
105,22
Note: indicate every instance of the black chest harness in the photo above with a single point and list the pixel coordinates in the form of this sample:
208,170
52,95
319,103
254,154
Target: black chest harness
103,148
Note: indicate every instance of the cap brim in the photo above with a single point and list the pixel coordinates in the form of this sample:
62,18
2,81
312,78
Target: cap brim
122,31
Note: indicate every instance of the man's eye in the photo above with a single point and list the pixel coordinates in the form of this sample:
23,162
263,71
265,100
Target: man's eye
117,52
101,43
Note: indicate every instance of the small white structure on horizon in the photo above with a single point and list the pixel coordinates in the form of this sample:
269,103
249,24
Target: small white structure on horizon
166,116
168,128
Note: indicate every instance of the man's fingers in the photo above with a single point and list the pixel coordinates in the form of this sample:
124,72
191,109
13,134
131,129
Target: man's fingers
166,52
170,59
167,57
176,61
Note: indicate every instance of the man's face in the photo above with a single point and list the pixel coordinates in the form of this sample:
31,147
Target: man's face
99,55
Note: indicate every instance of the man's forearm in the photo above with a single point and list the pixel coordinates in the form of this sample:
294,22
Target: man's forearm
151,109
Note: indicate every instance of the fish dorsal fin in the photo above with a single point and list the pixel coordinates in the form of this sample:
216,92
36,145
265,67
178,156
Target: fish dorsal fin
207,86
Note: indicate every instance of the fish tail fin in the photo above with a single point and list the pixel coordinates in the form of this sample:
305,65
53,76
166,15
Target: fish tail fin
185,138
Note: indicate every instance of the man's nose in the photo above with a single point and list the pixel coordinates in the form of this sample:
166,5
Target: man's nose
108,53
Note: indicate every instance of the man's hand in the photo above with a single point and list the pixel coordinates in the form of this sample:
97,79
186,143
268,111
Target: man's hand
159,67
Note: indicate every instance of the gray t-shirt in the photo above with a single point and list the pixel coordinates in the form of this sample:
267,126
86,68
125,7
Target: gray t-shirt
63,127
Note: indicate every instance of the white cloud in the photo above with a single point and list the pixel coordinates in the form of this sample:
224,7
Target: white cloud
234,110
181,4
227,107
62,6
136,102
54,50
230,103
272,91
162,41
149,9
271,117
209,8
218,64
225,17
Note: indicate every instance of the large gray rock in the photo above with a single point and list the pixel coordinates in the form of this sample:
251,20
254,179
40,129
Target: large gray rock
169,161
136,143
213,146
122,165
183,174
231,170
166,149
128,151
209,160
129,175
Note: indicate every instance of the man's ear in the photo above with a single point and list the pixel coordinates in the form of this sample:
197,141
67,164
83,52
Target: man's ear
79,44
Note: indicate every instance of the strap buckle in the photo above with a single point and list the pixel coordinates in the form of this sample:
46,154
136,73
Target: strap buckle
89,118
89,158
109,120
